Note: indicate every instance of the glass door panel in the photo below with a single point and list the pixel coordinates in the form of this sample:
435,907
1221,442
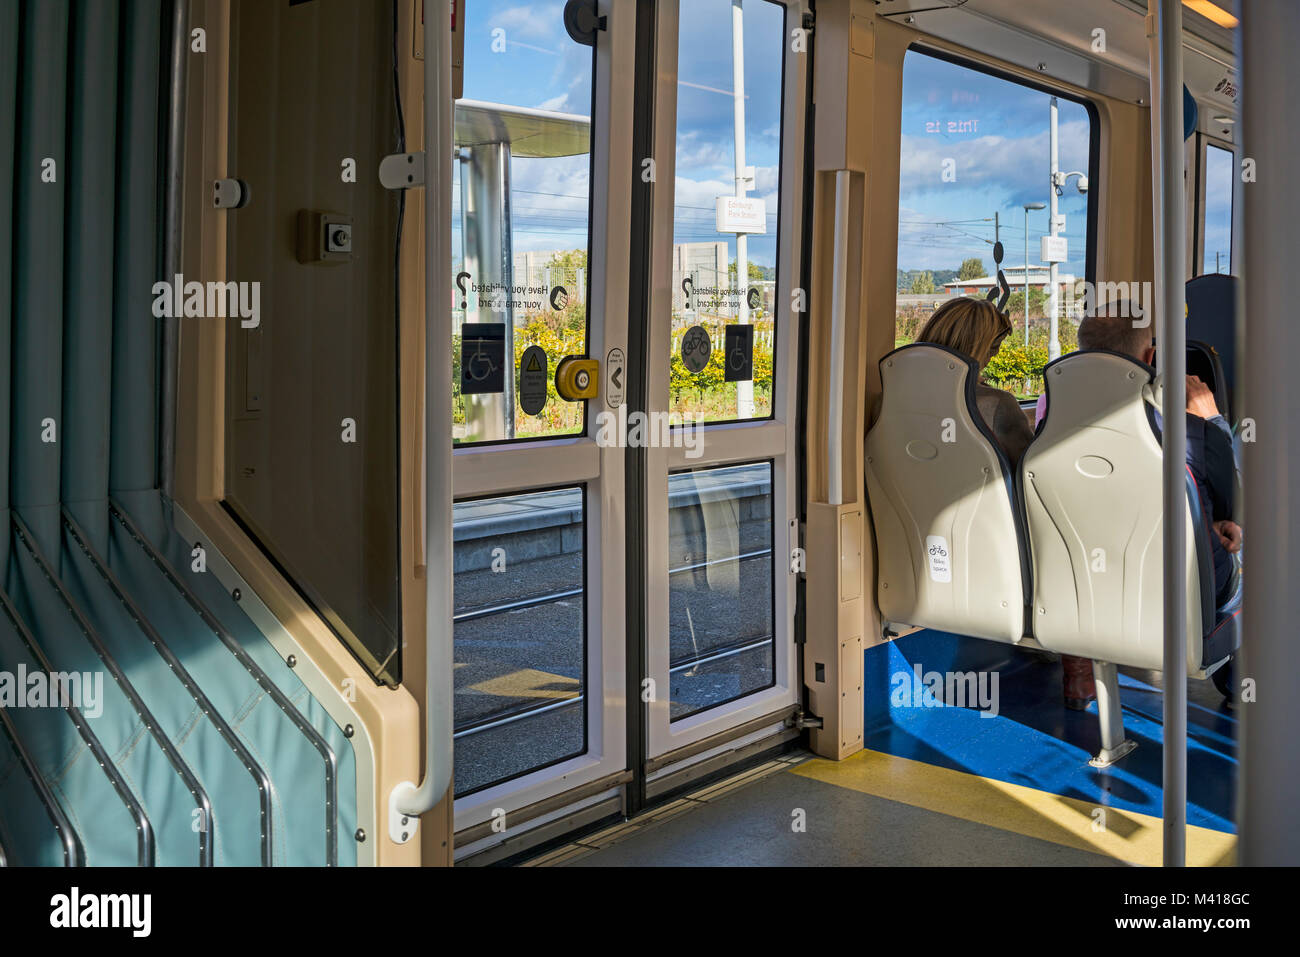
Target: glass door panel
721,500
537,250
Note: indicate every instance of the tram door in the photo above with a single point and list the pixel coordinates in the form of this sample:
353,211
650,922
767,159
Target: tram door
721,495
540,233
544,247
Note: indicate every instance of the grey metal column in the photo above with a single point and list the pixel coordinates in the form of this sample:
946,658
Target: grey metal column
1173,229
489,258
1270,775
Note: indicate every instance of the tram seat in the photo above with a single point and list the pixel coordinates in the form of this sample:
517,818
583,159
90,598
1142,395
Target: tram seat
1092,491
949,540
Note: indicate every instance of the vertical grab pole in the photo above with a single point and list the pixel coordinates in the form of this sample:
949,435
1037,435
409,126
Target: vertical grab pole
407,800
1269,779
1172,272
839,299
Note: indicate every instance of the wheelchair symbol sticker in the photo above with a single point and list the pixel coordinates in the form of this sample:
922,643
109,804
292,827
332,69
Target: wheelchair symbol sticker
739,364
696,348
482,358
936,549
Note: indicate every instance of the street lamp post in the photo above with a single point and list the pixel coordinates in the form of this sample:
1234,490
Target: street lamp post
1028,207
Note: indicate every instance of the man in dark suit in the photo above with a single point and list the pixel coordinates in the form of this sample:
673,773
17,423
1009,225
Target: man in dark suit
1209,457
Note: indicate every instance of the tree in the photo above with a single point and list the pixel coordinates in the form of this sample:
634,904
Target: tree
972,268
755,271
923,284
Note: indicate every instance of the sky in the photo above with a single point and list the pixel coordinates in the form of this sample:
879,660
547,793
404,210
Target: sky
537,65
1218,209
995,131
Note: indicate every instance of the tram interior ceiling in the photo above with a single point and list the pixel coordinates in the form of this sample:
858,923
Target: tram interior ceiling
474,432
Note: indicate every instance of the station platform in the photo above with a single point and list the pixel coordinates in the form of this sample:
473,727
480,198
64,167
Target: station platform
944,785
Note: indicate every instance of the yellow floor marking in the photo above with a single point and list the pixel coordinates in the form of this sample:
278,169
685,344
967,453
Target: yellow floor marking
529,683
1126,835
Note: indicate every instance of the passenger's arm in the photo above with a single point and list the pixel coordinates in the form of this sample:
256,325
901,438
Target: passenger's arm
1012,428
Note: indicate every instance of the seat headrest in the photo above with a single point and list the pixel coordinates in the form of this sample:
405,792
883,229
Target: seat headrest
1084,387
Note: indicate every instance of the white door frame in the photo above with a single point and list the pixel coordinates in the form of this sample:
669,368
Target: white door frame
487,470
765,439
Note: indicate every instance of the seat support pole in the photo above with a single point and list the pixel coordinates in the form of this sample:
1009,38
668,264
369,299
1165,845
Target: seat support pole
1113,743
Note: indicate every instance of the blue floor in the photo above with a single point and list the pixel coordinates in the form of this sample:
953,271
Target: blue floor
1034,740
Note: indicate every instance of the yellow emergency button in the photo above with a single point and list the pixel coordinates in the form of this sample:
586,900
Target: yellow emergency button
576,378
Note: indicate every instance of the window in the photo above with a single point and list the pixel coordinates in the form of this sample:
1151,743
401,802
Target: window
975,168
1217,255
520,221
719,586
520,634
724,223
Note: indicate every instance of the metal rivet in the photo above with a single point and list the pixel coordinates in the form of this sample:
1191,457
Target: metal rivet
348,732
361,834
405,835
291,661
405,820
236,594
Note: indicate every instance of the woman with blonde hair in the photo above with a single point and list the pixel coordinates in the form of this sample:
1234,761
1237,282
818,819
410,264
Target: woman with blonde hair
975,328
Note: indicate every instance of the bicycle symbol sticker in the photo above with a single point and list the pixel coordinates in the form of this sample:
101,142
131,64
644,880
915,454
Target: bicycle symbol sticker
936,547
696,348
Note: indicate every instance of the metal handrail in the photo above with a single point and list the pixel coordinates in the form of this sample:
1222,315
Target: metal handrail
143,828
407,799
142,711
209,710
263,680
74,854
1171,231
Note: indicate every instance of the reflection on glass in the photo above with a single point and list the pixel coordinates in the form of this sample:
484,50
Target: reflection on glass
720,586
1218,211
519,216
724,224
519,638
311,388
975,168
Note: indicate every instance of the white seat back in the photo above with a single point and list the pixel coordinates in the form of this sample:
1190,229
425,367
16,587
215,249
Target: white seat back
948,539
1092,492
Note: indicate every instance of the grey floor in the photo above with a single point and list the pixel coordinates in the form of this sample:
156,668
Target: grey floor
749,823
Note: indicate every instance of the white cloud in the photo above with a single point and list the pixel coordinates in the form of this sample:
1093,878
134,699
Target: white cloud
532,21
1016,164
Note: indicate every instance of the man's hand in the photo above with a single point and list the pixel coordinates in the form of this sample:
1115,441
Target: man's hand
1200,400
1230,535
